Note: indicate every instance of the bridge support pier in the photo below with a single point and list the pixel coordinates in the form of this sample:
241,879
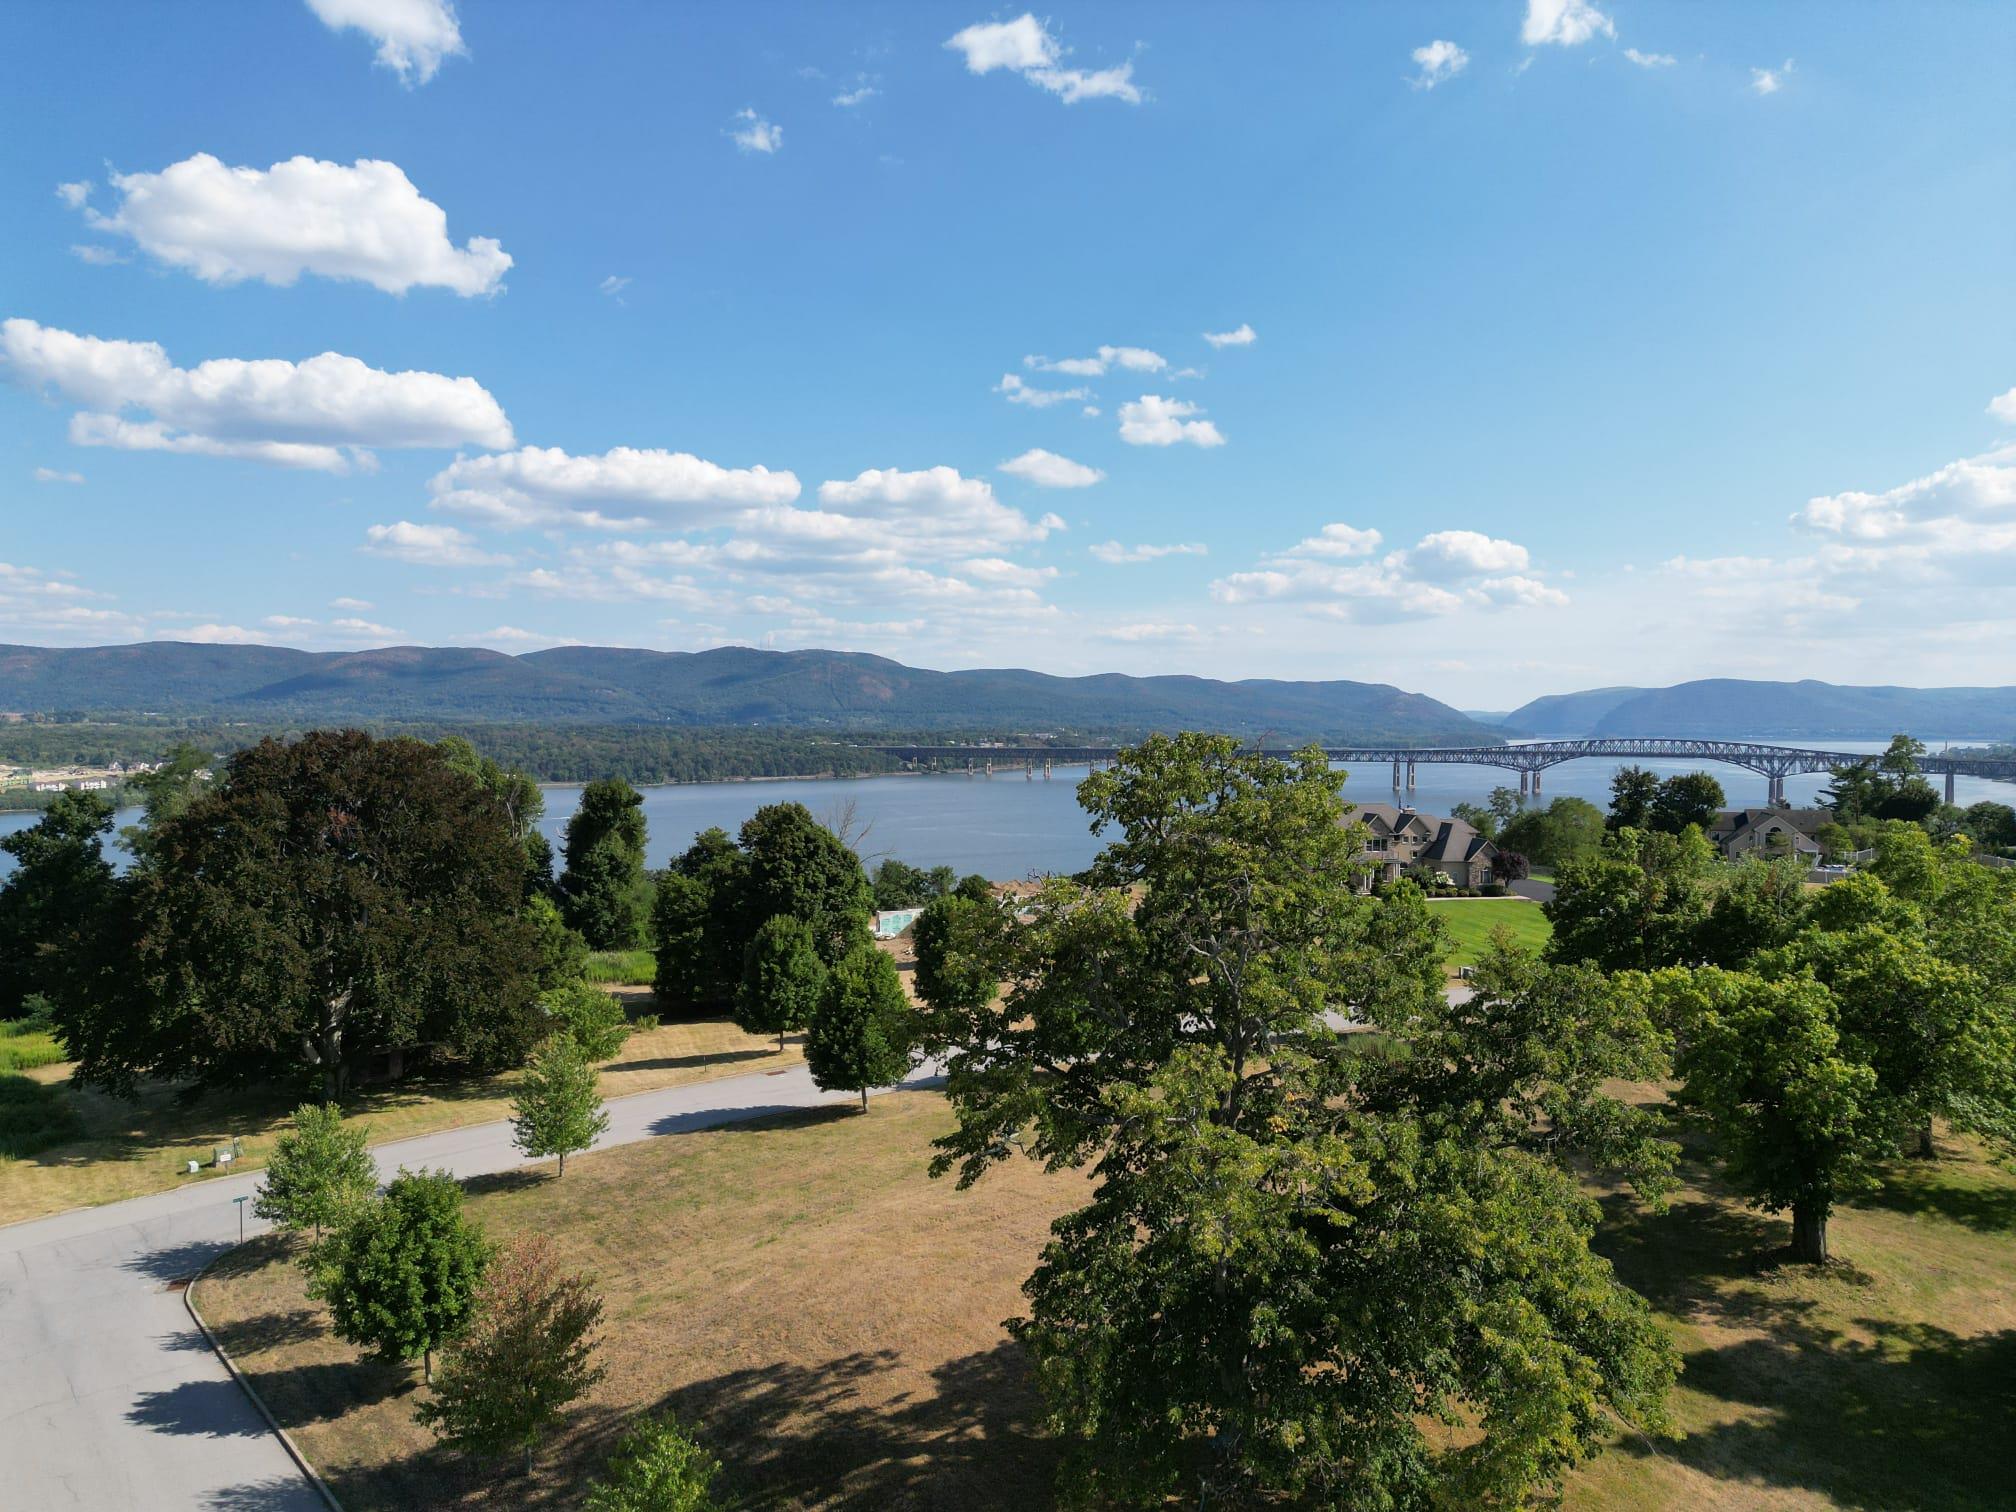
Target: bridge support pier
1410,776
1396,774
1949,789
1536,782
1525,786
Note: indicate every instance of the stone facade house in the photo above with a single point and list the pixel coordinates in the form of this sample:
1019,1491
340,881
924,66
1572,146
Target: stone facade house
1403,837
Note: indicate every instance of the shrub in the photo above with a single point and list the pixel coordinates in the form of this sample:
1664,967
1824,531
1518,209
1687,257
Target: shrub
658,1467
590,1017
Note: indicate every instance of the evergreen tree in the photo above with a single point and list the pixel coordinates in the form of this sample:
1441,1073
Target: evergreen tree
526,1354
604,893
400,1276
860,1035
783,981
558,1106
318,1172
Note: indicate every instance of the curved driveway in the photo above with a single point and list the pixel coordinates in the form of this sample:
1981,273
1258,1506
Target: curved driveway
109,1397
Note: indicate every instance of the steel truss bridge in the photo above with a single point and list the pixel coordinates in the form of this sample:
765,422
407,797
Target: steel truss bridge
1529,760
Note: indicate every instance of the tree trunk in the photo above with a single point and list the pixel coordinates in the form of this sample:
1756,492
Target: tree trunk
1926,1149
1809,1233
780,1041
427,1365
563,1163
864,1099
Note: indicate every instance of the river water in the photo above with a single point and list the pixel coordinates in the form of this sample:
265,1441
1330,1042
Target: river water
1008,826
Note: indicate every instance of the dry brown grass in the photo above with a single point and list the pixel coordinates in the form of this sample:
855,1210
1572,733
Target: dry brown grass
132,1148
798,1288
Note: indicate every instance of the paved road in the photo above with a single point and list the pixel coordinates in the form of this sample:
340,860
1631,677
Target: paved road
109,1397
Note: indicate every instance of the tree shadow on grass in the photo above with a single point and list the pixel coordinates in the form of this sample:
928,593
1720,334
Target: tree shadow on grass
688,1062
1926,1191
273,1330
519,1180
1915,1416
797,1433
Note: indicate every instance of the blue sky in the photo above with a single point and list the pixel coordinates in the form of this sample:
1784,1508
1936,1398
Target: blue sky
1588,343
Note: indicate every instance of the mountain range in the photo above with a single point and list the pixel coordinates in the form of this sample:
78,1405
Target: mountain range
731,685
1728,708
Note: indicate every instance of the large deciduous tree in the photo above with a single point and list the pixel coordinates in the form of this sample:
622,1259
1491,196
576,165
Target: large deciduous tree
1800,1117
700,924
603,891
1636,906
526,1355
330,899
1281,1283
400,1276
1687,798
796,866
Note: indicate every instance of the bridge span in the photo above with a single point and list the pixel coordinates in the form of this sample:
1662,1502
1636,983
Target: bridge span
1529,759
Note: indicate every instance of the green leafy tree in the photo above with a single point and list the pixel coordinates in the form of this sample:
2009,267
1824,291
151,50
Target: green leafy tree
799,867
519,797
1479,818
604,893
561,955
400,1276
1990,825
658,1467
956,944
1632,791
328,900
783,981
557,1108
860,1035
1760,905
1689,798
177,779
58,906
1524,1061
699,922
1799,1120
592,1018
974,888
1167,1023
1637,905
525,1356
319,1172
1564,830
898,884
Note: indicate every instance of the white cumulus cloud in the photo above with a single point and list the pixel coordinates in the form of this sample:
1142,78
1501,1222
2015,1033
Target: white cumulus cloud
1334,574
1025,46
1048,470
540,486
1116,555
54,475
74,195
1244,336
1650,59
1132,359
1437,62
363,221
1565,23
1152,420
1018,392
295,413
1768,81
427,545
413,36
2003,407
752,133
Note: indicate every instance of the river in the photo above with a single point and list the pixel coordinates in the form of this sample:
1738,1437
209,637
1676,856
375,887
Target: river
1008,826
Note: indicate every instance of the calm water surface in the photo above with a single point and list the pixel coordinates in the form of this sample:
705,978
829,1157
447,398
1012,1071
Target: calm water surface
1008,826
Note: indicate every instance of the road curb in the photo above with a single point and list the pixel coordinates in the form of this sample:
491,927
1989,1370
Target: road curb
286,1440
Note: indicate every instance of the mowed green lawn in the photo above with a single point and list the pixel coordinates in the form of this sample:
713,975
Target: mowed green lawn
1472,921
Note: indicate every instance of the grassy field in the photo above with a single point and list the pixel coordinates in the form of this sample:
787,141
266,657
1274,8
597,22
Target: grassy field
622,968
830,1319
798,1286
108,1149
1471,921
26,1044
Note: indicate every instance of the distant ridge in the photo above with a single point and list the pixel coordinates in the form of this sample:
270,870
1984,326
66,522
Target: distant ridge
1737,709
731,685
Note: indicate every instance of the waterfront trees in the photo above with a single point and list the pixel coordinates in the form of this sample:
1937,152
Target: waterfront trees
1565,829
56,905
783,980
796,866
603,890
